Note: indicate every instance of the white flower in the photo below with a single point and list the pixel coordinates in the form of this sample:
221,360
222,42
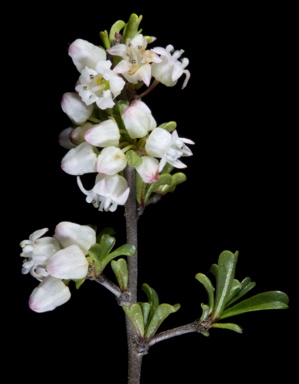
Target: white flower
167,146
37,251
111,161
77,111
135,65
84,54
108,192
48,295
170,69
68,263
80,160
68,233
148,169
138,119
103,134
100,85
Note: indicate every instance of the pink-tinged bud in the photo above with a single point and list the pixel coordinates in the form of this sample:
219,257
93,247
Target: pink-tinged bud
148,169
80,160
68,233
77,111
84,54
68,263
111,161
104,134
138,119
48,295
64,138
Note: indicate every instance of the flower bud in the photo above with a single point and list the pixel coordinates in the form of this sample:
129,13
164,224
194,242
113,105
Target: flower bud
77,111
80,160
104,134
48,295
68,263
138,119
111,161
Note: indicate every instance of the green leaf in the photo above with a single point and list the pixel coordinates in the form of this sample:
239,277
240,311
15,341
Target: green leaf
206,282
116,28
161,313
170,126
120,270
261,301
230,326
226,271
246,286
205,312
78,282
131,28
177,178
106,231
152,297
133,159
146,307
124,250
135,314
105,39
106,243
163,179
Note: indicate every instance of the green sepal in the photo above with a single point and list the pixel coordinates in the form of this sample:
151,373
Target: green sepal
226,271
206,282
146,307
261,301
161,313
230,326
78,282
116,28
120,270
170,126
131,28
133,159
105,39
123,250
135,314
153,187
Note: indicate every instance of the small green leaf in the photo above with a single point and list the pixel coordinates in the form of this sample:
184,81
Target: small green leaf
133,159
170,126
120,270
261,301
106,243
230,326
177,178
135,314
105,39
116,28
161,313
226,271
146,307
206,282
163,179
152,297
246,286
131,28
124,250
205,312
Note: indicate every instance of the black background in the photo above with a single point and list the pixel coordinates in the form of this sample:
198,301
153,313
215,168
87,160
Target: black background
239,108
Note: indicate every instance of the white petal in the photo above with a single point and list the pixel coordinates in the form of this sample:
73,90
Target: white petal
158,142
111,161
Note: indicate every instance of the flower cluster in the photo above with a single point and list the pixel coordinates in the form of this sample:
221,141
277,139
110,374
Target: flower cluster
53,261
110,122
